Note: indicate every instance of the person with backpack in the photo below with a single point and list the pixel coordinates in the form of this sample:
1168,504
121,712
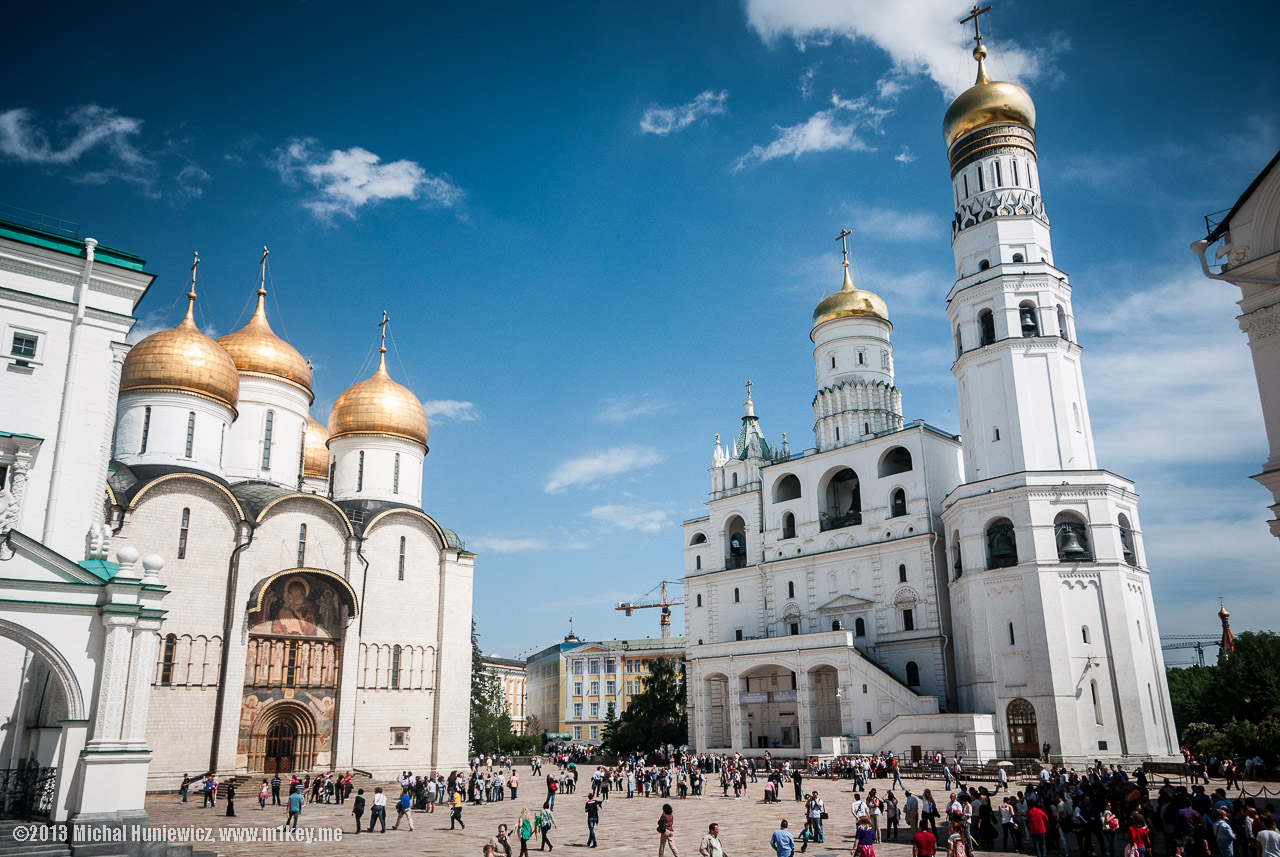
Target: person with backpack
357,808
402,809
546,823
593,817
667,832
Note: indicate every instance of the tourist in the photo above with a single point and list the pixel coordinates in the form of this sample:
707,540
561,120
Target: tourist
210,797
231,798
1225,836
357,808
513,784
816,811
956,844
667,832
929,812
296,802
1038,827
923,844
524,831
262,796
500,844
795,780
1009,825
1268,838
182,789
546,824
891,816
782,842
912,808
710,846
593,816
864,838
874,811
275,790
455,810
378,812
1139,840
402,809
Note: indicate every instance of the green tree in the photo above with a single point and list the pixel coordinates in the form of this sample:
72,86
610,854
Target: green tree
1230,709
1189,687
609,735
490,724
656,716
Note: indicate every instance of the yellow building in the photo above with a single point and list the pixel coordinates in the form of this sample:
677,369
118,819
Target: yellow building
573,683
512,674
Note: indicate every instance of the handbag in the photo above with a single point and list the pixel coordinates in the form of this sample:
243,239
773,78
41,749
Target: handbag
823,816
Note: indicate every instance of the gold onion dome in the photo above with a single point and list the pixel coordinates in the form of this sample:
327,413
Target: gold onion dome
987,102
378,405
850,302
257,350
315,455
182,359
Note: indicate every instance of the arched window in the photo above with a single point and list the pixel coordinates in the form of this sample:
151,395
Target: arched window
736,542
697,600
191,432
698,539
1139,630
166,659
395,668
1002,547
267,430
833,361
788,526
1126,541
897,503
1062,323
835,625
360,473
995,174
1084,633
902,574
896,460
737,596
735,481
400,568
986,327
791,589
957,560
1012,639
859,627
984,265
1013,164
913,674
1027,319
1017,257
183,528
395,479
959,343
995,433
302,545
843,501
786,488
1072,535
1097,705
697,563
146,428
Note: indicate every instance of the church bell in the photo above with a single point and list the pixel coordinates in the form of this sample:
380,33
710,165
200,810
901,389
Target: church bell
1029,326
1069,547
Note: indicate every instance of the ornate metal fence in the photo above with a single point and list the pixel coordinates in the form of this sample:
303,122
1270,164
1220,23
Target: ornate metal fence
27,792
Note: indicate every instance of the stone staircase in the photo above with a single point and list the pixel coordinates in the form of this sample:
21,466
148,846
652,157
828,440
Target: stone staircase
43,843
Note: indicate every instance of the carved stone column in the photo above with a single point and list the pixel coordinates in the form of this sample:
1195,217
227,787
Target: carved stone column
736,730
804,710
113,689
141,667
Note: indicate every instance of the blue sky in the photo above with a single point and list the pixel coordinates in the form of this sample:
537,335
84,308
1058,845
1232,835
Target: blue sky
592,223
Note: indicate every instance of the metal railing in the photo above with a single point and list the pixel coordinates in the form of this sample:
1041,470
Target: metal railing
27,792
36,220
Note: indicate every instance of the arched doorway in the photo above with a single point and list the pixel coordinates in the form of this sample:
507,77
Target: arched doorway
1024,739
283,740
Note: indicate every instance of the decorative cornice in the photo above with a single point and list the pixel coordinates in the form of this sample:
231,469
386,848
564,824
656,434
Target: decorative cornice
1000,202
1261,323
40,272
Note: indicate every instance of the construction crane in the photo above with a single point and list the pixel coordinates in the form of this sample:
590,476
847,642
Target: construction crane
650,600
1189,641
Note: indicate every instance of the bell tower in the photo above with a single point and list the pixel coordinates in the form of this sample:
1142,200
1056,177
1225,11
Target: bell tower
1051,601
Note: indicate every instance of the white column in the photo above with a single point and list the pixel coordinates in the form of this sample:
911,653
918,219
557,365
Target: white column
804,710
141,667
113,689
736,731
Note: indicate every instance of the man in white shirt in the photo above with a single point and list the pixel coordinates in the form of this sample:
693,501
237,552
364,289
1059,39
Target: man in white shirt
1268,839
859,809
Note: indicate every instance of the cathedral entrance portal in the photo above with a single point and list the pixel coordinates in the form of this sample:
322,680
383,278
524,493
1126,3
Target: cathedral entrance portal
284,740
279,752
1024,739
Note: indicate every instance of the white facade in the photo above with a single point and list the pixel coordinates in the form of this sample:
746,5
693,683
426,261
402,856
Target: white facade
1247,253
265,441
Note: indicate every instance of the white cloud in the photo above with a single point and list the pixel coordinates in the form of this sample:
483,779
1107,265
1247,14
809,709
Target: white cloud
91,126
597,465
905,156
619,410
920,37
516,544
887,224
619,517
806,81
190,178
835,128
347,179
450,409
670,120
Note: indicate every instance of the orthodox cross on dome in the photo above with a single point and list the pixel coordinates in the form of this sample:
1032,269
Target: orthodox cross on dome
748,392
843,238
973,16
195,263
382,327
262,272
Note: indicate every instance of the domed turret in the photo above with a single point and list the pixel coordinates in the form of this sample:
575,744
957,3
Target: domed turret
850,302
378,405
987,102
257,350
182,359
315,461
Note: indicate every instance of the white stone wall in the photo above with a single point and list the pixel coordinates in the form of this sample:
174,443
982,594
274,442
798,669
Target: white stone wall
379,479
288,405
166,431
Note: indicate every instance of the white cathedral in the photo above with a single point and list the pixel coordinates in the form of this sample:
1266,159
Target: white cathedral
894,588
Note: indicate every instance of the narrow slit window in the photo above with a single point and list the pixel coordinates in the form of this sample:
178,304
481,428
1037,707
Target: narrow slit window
182,533
999,179
146,429
400,569
395,479
191,432
1014,166
360,473
222,443
395,668
166,662
1012,639
302,545
266,440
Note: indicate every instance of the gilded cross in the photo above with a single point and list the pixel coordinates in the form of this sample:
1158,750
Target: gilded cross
262,274
382,326
195,263
973,16
843,238
748,391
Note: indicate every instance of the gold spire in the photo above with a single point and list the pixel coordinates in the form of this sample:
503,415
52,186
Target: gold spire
850,301
182,359
378,405
257,350
987,102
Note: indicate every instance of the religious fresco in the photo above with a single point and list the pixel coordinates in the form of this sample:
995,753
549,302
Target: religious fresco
256,709
298,606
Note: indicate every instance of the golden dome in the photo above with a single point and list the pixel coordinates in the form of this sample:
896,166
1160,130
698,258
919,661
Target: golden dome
850,302
378,405
256,349
987,102
315,456
182,359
